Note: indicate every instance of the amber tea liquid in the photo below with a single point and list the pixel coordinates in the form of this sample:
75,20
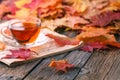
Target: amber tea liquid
24,34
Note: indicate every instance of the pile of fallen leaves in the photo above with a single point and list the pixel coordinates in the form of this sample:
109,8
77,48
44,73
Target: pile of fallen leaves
95,21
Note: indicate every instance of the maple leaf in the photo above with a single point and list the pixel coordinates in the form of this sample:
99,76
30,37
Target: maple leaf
105,18
71,21
91,46
116,27
35,4
12,6
20,14
3,9
18,10
114,5
21,3
62,41
60,65
80,6
112,43
88,32
99,42
18,54
46,8
68,21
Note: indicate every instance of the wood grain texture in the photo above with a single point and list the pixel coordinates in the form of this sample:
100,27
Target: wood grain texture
101,66
43,72
18,72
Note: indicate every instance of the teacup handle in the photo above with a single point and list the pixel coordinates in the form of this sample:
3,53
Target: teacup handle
6,35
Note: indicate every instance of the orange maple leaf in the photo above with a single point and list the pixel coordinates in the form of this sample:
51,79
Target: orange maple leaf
3,10
91,32
60,65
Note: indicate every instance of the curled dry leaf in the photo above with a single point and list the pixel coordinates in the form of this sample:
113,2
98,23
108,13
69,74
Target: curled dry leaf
60,65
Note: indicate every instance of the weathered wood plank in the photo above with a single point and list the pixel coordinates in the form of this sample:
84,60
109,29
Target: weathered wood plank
18,72
101,66
42,72
114,73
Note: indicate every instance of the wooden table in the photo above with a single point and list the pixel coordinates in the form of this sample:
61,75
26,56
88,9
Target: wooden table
99,65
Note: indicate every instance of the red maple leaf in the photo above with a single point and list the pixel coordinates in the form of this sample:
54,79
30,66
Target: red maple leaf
12,6
3,9
18,54
91,46
35,4
60,65
99,42
105,18
62,41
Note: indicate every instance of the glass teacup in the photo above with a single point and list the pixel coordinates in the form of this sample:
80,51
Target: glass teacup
23,32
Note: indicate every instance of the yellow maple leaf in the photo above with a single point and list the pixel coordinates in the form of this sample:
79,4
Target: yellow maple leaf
80,6
20,3
23,13
113,6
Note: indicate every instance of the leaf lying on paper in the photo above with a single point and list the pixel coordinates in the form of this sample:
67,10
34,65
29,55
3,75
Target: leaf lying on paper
18,54
62,41
61,65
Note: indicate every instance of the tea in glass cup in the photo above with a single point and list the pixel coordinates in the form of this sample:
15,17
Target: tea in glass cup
24,32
